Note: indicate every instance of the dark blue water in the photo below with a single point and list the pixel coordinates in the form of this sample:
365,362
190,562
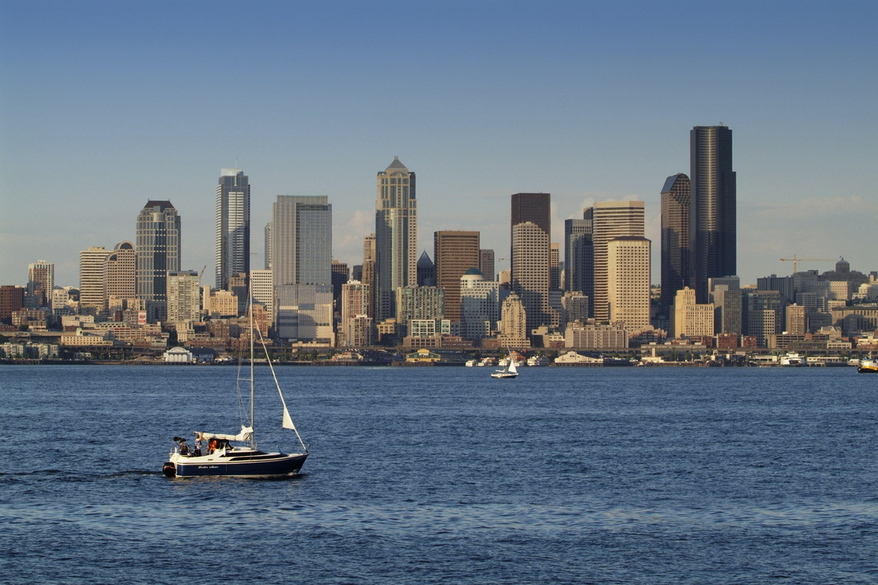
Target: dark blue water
443,475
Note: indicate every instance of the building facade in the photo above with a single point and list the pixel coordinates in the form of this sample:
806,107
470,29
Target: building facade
92,284
396,236
454,253
612,219
120,275
479,304
712,207
158,253
579,253
232,245
628,283
40,282
184,297
675,236
302,268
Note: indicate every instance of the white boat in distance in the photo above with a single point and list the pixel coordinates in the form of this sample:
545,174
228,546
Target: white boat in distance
237,455
509,370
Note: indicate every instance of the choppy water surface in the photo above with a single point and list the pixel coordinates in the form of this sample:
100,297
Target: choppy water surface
443,475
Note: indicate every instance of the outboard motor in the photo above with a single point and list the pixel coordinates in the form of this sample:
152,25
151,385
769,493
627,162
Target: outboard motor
169,469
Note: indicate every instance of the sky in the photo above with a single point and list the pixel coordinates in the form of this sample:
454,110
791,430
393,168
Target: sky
105,105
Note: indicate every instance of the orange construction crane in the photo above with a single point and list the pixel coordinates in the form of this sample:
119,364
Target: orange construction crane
795,260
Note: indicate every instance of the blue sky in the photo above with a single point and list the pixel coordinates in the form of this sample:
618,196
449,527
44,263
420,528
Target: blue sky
105,105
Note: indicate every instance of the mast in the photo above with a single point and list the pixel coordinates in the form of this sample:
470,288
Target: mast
252,377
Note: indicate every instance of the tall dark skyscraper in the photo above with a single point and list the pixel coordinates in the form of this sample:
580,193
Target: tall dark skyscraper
232,226
579,253
675,196
158,253
712,204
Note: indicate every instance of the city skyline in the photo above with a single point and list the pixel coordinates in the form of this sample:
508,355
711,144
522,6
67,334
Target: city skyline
587,101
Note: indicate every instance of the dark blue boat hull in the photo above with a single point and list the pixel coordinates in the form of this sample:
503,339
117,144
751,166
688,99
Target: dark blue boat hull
255,466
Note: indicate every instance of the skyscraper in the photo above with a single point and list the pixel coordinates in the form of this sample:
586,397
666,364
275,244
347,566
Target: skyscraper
301,250
675,237
531,256
120,274
579,253
712,207
301,234
396,236
535,208
530,272
158,253
232,247
92,281
612,219
454,252
40,282
184,296
628,280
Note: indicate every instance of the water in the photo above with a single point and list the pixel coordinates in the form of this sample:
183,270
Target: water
443,475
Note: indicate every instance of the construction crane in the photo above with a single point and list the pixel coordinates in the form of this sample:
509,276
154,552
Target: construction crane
795,260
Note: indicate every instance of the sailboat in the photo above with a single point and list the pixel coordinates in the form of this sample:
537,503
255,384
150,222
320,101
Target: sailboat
508,371
237,455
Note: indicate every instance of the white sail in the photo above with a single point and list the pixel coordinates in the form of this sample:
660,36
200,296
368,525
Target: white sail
288,420
512,367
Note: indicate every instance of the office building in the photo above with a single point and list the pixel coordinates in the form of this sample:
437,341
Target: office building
396,236
426,271
40,282
628,282
530,265
712,207
797,322
689,318
454,252
513,323
11,300
92,284
486,264
579,253
184,297
232,246
763,314
530,272
301,244
157,246
479,305
120,275
675,275
262,290
356,324
419,302
612,219
367,276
